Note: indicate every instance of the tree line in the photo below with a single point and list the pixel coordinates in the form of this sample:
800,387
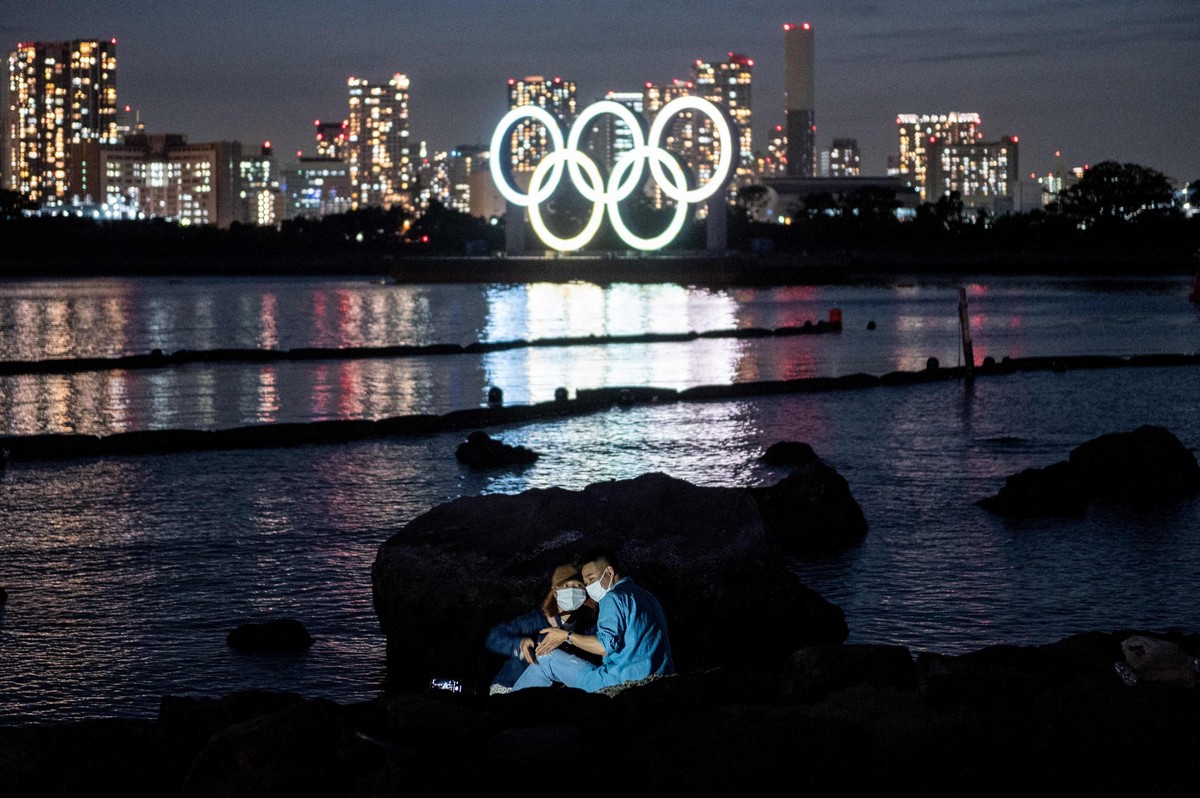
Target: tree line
1113,207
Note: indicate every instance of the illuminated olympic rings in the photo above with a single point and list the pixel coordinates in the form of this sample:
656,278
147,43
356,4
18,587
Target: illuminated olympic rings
626,174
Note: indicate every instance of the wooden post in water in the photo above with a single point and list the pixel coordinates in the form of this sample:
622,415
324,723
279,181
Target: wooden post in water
964,322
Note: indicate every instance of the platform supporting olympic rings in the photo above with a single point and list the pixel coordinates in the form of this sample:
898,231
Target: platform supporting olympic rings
627,172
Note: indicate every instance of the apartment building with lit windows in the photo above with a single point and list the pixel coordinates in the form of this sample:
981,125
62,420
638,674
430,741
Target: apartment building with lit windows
917,131
985,174
163,176
61,95
380,158
728,84
530,141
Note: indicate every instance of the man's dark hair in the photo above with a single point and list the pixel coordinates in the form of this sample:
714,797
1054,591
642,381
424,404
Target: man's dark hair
603,556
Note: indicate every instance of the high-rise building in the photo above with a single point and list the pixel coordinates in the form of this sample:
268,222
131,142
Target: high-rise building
609,137
259,187
918,131
774,162
984,174
382,166
799,87
844,159
530,140
332,138
60,95
728,85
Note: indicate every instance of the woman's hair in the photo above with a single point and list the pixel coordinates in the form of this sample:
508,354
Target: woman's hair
563,574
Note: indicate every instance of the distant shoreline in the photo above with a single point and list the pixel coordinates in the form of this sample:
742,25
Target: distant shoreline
815,268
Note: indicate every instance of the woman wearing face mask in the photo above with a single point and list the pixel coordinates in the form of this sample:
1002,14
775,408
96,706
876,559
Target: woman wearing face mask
566,606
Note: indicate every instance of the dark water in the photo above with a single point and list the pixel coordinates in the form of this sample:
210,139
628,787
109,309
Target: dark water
125,575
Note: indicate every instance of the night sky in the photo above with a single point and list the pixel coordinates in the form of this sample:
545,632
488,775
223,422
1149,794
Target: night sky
1098,79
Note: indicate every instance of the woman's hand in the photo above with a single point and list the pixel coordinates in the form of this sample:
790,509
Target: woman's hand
527,646
554,637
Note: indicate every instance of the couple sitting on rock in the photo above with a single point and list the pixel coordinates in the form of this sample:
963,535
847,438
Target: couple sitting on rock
595,629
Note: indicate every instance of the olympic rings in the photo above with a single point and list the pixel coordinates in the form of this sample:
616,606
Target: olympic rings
626,174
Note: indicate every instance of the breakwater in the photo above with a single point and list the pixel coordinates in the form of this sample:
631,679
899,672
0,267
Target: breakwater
66,446
159,359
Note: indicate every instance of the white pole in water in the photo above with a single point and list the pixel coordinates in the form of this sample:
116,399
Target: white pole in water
964,322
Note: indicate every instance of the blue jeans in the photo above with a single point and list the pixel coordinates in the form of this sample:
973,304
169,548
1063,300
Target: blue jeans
557,666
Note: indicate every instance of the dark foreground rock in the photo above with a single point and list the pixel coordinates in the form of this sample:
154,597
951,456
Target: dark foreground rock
282,636
706,553
842,720
483,451
789,453
1142,468
811,511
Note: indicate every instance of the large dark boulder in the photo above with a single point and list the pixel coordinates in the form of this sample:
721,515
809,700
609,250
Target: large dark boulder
282,636
1055,490
811,511
108,756
1145,467
723,581
789,453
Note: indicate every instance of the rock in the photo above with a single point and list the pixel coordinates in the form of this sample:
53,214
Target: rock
818,671
107,756
1141,468
704,552
1055,490
811,511
789,453
1146,466
281,636
307,748
1005,719
483,451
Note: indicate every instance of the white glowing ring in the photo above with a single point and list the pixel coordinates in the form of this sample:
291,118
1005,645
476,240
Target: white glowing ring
626,174
498,154
554,161
638,156
621,190
664,116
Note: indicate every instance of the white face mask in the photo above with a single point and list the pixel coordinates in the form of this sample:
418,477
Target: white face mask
597,591
570,598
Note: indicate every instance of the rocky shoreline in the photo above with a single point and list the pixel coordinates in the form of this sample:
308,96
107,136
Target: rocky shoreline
846,719
769,696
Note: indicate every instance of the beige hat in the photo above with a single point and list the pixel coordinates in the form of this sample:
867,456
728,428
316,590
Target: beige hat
562,573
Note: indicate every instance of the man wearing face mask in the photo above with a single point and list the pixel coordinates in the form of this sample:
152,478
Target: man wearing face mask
631,635
566,607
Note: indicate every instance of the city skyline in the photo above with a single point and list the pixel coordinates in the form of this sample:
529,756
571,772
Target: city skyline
1053,76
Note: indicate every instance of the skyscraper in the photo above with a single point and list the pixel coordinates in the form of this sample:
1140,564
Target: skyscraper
728,84
382,168
609,138
799,104
60,95
530,140
918,131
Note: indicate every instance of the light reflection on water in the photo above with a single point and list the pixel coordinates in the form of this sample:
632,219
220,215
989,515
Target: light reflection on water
42,319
